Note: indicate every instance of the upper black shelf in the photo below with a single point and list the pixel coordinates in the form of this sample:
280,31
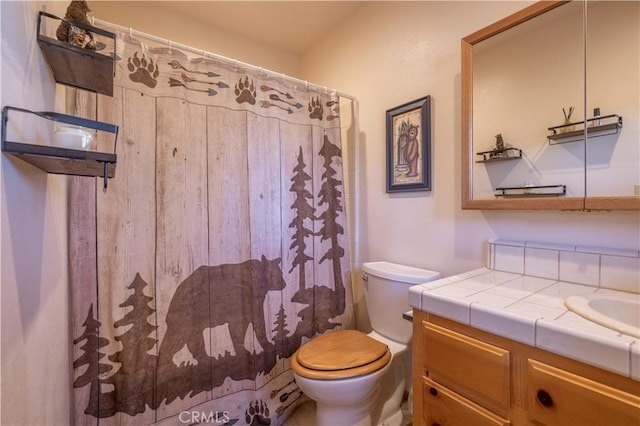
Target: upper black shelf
58,160
76,66
597,126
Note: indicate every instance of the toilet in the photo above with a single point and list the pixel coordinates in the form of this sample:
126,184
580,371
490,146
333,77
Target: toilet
359,379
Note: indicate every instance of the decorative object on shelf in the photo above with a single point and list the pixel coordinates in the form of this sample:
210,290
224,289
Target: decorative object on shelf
600,125
68,32
68,156
409,146
74,137
568,126
500,153
77,66
596,117
529,190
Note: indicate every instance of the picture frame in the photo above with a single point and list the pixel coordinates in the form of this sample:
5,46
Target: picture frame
409,146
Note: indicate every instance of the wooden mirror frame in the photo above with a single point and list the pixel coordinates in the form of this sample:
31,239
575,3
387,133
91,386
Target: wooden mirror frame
560,203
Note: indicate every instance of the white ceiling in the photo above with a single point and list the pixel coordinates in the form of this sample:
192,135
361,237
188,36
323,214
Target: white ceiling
292,26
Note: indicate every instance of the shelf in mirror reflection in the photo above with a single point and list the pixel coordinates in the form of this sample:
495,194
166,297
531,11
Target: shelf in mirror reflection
531,191
597,126
505,154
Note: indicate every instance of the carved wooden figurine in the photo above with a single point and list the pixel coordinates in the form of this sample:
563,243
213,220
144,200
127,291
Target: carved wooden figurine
67,32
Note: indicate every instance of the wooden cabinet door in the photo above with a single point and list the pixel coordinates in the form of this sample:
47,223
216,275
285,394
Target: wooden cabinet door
557,397
477,369
445,407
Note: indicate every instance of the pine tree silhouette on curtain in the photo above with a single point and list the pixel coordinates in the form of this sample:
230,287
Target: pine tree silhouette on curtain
323,302
138,368
98,405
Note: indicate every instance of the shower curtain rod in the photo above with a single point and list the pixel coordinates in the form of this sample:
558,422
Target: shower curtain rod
206,54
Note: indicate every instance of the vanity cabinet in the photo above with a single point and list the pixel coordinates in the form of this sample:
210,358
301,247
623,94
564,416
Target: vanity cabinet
465,376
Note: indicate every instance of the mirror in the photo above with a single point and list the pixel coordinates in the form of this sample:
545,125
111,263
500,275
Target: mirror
613,86
524,103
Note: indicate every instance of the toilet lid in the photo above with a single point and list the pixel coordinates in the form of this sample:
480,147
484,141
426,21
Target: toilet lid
340,350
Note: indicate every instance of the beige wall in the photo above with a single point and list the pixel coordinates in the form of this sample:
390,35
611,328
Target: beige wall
390,53
34,292
152,18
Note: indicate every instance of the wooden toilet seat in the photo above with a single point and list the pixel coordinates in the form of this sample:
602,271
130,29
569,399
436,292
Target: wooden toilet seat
340,355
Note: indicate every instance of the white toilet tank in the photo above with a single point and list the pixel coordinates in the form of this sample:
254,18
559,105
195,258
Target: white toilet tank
386,290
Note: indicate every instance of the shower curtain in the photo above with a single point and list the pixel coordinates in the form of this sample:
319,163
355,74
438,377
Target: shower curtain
217,250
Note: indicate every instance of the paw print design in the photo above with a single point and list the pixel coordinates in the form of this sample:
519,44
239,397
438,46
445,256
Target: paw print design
245,91
257,414
315,108
143,71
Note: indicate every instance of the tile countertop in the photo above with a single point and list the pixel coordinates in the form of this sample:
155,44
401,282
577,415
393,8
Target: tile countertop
529,310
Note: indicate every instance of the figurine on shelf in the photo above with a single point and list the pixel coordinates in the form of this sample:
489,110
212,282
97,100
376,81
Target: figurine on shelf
499,149
67,32
499,142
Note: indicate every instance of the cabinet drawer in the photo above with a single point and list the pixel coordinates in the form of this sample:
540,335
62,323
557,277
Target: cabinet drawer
442,406
477,369
557,397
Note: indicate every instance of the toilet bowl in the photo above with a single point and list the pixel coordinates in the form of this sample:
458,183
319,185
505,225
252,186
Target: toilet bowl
359,379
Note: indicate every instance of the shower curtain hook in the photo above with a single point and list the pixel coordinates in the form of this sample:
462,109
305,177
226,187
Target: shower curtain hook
284,78
131,33
235,64
306,85
169,45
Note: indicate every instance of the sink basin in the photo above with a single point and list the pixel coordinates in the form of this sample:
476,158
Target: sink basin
619,312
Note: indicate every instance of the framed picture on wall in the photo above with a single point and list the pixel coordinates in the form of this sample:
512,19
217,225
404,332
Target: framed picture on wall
409,146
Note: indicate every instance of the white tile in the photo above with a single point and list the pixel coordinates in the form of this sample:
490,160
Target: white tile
611,354
573,320
472,273
514,243
581,268
635,360
620,273
503,323
453,291
554,295
608,250
551,246
488,299
541,263
415,296
521,287
452,308
535,311
509,258
486,281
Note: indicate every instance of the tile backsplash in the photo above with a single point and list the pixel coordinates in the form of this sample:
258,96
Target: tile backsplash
593,266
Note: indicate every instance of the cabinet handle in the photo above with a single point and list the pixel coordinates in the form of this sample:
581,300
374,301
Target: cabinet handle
433,391
544,398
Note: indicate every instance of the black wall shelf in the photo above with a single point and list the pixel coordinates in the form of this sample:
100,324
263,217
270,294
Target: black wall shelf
505,154
531,191
76,66
57,160
597,126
